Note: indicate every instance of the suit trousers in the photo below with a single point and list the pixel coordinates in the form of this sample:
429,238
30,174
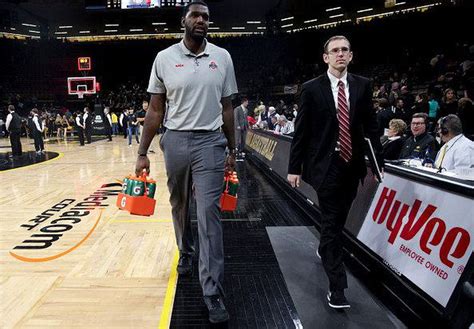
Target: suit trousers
335,196
240,137
88,133
38,138
197,159
15,142
80,134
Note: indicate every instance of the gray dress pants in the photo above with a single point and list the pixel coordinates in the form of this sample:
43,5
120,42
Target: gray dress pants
197,158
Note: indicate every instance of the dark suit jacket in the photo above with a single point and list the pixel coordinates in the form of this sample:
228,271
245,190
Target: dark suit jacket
317,128
391,149
240,119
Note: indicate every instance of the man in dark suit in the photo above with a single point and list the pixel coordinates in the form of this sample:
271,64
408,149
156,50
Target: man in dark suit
87,122
327,151
241,124
13,126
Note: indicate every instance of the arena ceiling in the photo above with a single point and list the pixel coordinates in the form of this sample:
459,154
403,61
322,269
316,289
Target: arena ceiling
62,19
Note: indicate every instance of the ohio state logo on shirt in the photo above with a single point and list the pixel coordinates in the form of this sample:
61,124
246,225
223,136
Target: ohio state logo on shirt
213,65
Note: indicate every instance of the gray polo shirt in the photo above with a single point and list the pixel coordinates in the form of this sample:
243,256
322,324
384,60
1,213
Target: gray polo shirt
194,85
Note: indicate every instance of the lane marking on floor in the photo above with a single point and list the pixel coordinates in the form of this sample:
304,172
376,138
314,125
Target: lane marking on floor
166,312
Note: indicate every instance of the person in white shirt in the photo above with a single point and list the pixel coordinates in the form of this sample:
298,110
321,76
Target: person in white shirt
108,123
37,129
284,127
123,122
13,126
458,150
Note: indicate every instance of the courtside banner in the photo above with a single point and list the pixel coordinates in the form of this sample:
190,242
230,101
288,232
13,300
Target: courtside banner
422,233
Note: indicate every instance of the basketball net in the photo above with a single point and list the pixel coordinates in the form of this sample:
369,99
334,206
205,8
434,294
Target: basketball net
80,95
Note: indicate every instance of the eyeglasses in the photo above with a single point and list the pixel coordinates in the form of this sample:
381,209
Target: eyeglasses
417,123
335,51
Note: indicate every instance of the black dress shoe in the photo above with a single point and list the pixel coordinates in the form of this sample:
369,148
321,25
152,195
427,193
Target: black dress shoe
336,299
217,311
185,264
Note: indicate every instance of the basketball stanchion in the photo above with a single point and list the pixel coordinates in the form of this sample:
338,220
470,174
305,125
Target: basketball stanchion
137,196
228,200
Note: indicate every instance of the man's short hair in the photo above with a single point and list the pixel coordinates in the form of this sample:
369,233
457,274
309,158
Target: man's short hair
244,99
11,107
424,116
336,37
452,123
186,8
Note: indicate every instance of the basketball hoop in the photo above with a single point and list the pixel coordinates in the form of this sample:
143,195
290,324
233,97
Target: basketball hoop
81,86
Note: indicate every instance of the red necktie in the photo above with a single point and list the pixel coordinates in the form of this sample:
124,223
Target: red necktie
343,115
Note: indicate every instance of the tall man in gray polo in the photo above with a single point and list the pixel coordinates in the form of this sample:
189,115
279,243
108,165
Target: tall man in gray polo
197,80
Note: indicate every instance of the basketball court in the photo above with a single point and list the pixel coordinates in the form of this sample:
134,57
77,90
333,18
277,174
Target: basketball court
68,261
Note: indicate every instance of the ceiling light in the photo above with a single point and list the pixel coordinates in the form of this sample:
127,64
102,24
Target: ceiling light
332,9
111,24
365,10
311,21
30,25
287,18
107,31
338,15
66,27
238,28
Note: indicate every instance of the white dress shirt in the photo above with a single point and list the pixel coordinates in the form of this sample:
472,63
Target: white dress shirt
335,91
79,123
459,153
335,88
38,124
9,120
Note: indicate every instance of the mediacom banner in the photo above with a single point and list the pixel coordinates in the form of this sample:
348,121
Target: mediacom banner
422,233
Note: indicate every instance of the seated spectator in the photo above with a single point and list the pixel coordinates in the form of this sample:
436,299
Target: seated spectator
272,114
399,111
384,115
421,104
458,151
392,144
251,120
449,103
283,126
466,114
421,145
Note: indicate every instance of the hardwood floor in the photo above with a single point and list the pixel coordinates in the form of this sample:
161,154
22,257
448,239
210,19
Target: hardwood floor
69,257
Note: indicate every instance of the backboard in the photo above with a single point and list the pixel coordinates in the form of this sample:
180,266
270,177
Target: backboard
81,86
